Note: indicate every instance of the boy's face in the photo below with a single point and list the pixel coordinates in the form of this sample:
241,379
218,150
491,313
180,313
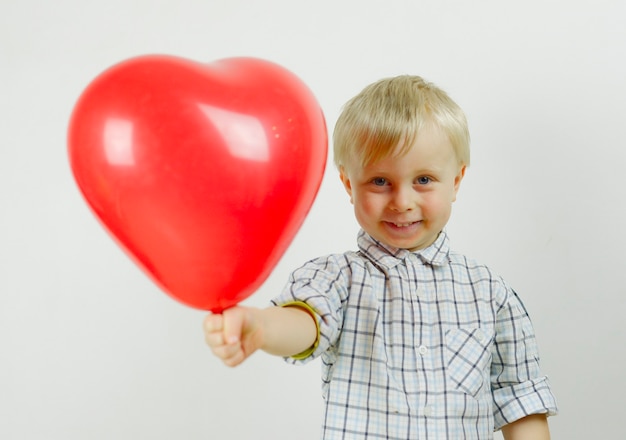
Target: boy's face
406,201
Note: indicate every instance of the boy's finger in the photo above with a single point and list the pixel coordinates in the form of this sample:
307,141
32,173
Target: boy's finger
233,325
214,339
226,352
213,323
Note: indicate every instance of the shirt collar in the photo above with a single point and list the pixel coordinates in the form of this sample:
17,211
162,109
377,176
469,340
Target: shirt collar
387,256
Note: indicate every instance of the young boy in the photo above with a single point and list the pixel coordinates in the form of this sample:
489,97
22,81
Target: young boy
415,340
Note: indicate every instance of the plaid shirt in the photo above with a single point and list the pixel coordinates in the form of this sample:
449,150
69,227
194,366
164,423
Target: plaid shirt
418,345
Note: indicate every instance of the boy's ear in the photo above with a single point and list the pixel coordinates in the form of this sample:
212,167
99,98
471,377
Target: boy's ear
457,180
346,181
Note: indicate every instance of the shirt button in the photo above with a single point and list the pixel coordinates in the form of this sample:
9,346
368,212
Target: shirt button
422,350
428,411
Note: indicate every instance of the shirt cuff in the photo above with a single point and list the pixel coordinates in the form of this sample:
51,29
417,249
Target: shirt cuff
309,351
521,400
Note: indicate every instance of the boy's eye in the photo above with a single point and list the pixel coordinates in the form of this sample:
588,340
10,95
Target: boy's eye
423,180
379,181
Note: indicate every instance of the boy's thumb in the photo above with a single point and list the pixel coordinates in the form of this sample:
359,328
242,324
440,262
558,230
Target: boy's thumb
233,324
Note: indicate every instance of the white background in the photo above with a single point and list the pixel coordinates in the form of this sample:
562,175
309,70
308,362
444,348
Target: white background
90,349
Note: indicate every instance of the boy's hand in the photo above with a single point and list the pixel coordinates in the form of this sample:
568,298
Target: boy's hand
233,335
238,332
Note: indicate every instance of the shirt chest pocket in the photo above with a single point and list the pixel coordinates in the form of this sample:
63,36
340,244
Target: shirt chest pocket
468,358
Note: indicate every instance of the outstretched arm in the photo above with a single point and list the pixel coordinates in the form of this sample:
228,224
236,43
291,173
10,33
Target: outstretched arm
238,332
533,427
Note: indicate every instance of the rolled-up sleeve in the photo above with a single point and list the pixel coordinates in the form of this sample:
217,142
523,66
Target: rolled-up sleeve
321,285
518,386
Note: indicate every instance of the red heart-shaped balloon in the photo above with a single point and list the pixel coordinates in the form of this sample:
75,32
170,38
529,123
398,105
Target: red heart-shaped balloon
203,173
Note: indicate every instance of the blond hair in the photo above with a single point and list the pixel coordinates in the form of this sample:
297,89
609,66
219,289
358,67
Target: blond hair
393,110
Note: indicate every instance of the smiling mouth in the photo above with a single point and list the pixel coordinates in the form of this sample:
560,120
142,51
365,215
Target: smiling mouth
403,225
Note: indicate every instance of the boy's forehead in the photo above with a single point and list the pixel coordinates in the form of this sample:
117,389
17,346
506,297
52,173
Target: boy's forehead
423,154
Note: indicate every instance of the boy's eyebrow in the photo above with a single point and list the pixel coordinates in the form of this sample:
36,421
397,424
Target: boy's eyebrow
418,170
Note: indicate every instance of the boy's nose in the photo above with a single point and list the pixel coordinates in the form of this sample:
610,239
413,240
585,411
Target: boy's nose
403,200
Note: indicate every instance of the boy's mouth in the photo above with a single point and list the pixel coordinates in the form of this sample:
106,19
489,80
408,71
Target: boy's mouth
404,224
